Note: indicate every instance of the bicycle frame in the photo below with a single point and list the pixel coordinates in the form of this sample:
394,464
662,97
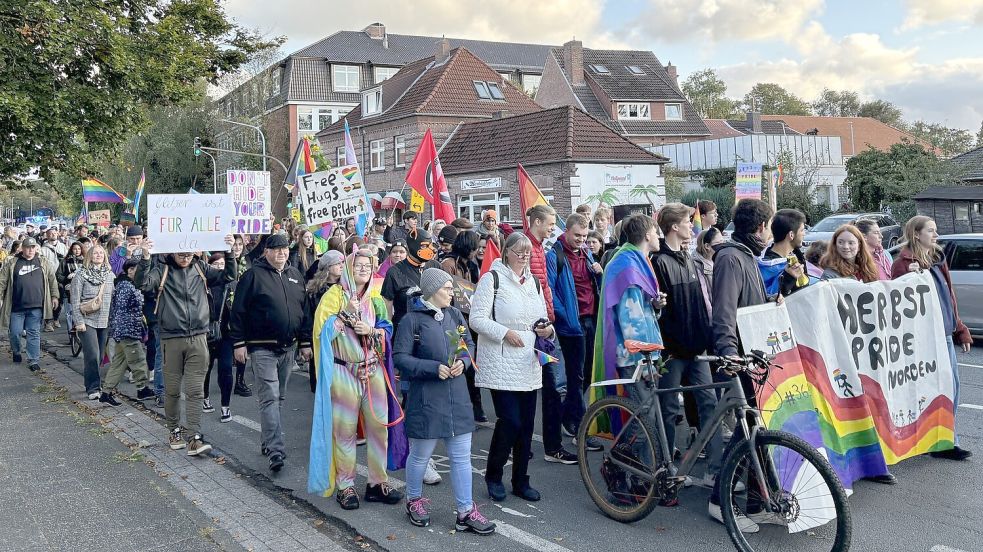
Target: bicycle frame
733,399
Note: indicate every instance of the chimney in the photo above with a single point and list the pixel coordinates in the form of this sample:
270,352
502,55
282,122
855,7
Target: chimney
754,122
376,31
671,69
500,114
443,52
573,61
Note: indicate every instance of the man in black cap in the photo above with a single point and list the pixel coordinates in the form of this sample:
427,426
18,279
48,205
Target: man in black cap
275,289
30,294
411,221
446,239
134,239
404,275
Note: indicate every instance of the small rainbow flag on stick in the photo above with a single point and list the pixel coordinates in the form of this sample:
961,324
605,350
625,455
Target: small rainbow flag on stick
697,219
545,359
94,190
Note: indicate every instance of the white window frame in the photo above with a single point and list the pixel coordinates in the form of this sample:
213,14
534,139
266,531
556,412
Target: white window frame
380,71
340,156
470,206
377,155
637,107
308,111
528,80
679,107
482,86
372,102
346,71
399,151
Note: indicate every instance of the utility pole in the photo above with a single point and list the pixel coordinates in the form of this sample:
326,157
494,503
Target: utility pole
262,136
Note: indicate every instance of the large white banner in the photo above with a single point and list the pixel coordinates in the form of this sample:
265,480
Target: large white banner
867,376
332,195
250,193
189,222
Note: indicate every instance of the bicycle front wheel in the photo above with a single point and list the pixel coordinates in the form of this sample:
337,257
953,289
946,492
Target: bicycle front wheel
75,342
806,509
619,477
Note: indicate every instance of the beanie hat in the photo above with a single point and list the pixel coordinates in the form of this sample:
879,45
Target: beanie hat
447,235
419,247
432,280
135,231
331,257
216,256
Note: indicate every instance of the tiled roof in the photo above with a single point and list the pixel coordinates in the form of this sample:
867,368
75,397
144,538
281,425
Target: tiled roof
720,129
856,133
767,127
970,165
397,50
306,78
620,83
425,88
551,135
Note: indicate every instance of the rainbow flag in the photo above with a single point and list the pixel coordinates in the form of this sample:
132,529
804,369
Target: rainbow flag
97,191
545,358
697,219
302,163
530,196
137,196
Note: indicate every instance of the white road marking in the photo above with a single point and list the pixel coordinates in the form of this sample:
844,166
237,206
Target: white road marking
944,548
509,531
970,365
971,406
512,512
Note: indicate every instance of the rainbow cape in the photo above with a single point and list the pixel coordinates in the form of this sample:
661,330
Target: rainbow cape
629,267
97,191
322,471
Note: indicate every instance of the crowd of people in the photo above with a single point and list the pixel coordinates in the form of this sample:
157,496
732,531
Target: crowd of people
400,329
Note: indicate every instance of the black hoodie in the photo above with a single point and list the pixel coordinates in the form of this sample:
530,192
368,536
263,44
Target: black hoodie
737,283
270,308
685,323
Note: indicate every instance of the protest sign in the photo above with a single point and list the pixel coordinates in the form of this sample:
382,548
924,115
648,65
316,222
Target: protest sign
100,217
250,193
866,375
748,181
189,222
332,195
463,291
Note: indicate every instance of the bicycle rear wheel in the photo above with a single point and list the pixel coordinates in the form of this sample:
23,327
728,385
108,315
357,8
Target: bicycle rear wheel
626,440
75,343
808,509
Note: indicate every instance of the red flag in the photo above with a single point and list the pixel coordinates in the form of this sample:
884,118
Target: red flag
529,194
491,253
427,178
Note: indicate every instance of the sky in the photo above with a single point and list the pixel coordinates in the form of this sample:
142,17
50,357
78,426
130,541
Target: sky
925,56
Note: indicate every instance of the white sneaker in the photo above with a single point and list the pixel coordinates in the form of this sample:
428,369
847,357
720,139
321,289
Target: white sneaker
431,477
770,518
709,480
359,442
743,523
93,396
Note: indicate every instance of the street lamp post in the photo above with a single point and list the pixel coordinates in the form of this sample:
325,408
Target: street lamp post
262,136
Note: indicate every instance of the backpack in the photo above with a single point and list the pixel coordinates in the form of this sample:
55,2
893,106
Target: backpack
494,274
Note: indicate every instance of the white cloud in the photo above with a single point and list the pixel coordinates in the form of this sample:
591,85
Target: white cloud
553,22
722,20
919,13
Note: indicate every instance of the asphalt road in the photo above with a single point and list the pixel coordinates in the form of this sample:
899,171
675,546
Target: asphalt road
936,506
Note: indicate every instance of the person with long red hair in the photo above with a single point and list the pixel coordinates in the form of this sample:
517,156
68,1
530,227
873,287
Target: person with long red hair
848,256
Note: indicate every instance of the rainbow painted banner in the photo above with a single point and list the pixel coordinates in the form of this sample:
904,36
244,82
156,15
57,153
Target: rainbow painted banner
865,377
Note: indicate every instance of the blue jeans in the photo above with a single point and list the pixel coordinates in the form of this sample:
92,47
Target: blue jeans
158,360
459,453
29,320
955,387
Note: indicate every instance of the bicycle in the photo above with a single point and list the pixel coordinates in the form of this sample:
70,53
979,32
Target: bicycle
781,492
73,336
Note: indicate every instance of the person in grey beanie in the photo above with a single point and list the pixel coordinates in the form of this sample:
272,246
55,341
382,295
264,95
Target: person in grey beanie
431,352
327,274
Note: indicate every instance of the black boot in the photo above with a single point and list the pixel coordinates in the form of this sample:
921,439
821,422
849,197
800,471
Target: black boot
241,388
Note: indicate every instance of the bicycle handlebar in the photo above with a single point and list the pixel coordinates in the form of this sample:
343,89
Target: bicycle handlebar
754,357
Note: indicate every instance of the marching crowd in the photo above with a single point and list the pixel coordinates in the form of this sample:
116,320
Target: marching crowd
401,329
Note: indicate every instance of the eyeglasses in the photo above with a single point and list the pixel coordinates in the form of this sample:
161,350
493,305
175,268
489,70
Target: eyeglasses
518,255
362,268
184,255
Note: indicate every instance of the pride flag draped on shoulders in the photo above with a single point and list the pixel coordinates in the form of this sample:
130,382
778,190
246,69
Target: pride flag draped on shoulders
625,312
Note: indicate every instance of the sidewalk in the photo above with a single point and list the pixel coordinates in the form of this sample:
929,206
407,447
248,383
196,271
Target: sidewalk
79,475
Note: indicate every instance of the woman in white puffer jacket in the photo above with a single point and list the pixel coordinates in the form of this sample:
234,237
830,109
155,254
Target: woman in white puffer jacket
507,363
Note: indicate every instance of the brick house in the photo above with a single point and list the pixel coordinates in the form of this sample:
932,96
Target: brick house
439,93
569,154
314,87
629,91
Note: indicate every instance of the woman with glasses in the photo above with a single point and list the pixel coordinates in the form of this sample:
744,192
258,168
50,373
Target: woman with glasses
508,311
92,294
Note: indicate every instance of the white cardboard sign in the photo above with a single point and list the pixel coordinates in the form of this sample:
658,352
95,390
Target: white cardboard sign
189,222
250,193
332,195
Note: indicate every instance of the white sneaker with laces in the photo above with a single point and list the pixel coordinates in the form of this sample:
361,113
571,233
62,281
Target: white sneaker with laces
743,523
431,477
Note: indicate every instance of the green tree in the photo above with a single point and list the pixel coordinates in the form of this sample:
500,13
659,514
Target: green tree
771,99
831,103
674,182
77,77
722,197
979,137
717,178
878,179
706,91
799,188
882,110
949,141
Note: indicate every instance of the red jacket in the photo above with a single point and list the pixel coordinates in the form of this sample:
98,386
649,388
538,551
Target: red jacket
900,268
537,265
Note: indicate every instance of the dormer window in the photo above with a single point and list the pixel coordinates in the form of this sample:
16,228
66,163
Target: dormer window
496,92
634,111
600,69
674,112
635,70
488,90
372,102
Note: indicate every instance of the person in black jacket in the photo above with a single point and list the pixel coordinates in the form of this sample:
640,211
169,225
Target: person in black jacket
219,347
180,284
405,275
685,325
270,319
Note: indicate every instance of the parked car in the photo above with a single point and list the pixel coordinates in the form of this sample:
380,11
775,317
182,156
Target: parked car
965,254
824,229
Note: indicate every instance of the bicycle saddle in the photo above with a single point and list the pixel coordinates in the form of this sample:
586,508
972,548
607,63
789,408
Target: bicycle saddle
641,347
